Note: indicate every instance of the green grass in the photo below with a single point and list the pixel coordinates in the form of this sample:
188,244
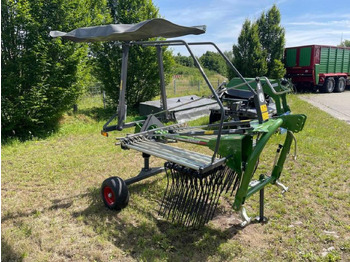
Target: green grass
51,207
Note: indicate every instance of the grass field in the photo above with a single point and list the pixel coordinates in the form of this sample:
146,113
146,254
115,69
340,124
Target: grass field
52,210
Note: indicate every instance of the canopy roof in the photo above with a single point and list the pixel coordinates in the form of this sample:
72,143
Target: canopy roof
129,32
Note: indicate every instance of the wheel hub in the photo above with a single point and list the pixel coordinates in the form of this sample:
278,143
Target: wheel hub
108,195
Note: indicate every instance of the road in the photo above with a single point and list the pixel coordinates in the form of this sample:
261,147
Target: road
335,104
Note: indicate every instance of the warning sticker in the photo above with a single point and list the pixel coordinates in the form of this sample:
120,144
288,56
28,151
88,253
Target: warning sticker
263,108
265,116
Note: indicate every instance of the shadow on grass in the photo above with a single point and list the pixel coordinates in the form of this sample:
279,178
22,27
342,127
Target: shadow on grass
145,237
23,134
63,203
104,114
7,253
98,113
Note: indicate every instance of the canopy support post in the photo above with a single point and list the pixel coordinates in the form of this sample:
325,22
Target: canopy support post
123,77
163,97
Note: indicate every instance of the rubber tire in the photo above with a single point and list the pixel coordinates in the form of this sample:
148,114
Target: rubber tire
328,85
119,190
340,85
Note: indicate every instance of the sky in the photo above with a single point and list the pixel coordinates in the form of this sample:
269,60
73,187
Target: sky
305,22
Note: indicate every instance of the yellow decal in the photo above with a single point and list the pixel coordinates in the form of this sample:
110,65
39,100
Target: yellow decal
265,116
263,108
209,132
121,84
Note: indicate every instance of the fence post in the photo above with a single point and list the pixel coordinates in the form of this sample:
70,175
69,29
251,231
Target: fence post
174,86
104,99
218,82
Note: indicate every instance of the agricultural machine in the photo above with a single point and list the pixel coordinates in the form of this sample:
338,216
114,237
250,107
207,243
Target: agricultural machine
317,67
195,181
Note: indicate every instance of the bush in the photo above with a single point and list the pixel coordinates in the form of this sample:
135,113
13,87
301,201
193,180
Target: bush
39,74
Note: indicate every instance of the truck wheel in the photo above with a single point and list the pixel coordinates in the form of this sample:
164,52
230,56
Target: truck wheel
340,85
328,85
115,193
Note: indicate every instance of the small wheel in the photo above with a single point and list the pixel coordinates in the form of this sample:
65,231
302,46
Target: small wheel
340,85
115,193
328,85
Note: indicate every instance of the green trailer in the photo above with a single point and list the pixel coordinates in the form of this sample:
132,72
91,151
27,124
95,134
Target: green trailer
326,68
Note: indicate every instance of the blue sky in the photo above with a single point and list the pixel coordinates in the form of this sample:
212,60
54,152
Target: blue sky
306,22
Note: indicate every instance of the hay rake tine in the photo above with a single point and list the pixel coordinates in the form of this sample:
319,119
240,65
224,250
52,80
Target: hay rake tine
196,204
166,192
182,197
162,205
193,201
203,203
215,197
189,203
176,193
172,194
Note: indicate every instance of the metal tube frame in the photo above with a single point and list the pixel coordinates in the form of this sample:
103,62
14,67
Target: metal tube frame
158,45
123,77
163,98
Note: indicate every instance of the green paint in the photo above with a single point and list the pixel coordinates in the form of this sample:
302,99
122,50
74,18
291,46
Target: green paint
291,57
305,56
241,195
231,147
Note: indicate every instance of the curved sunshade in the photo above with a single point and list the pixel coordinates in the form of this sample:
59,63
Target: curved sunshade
129,32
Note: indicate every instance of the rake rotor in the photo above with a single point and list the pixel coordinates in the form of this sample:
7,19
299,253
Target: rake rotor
190,198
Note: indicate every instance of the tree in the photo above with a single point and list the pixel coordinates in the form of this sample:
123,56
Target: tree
249,57
264,40
184,60
39,74
272,39
229,54
143,76
345,43
214,61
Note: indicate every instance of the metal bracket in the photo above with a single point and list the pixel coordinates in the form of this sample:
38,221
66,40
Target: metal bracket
283,187
145,172
246,219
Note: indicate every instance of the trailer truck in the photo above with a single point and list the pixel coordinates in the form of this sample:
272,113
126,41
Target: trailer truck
318,67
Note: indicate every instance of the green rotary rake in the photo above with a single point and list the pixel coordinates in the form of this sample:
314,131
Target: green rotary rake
196,181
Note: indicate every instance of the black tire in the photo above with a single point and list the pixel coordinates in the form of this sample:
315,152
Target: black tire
328,85
340,85
115,193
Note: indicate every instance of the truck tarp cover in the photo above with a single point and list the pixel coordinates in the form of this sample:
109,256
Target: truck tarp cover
129,32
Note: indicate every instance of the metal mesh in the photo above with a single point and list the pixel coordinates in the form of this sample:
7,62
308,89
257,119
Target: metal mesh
190,198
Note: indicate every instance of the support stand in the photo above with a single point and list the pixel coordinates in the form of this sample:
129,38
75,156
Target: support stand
145,172
261,218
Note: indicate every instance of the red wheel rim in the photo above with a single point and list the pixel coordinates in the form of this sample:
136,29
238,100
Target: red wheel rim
109,195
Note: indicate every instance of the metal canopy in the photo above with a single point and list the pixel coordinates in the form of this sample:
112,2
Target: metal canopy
157,27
